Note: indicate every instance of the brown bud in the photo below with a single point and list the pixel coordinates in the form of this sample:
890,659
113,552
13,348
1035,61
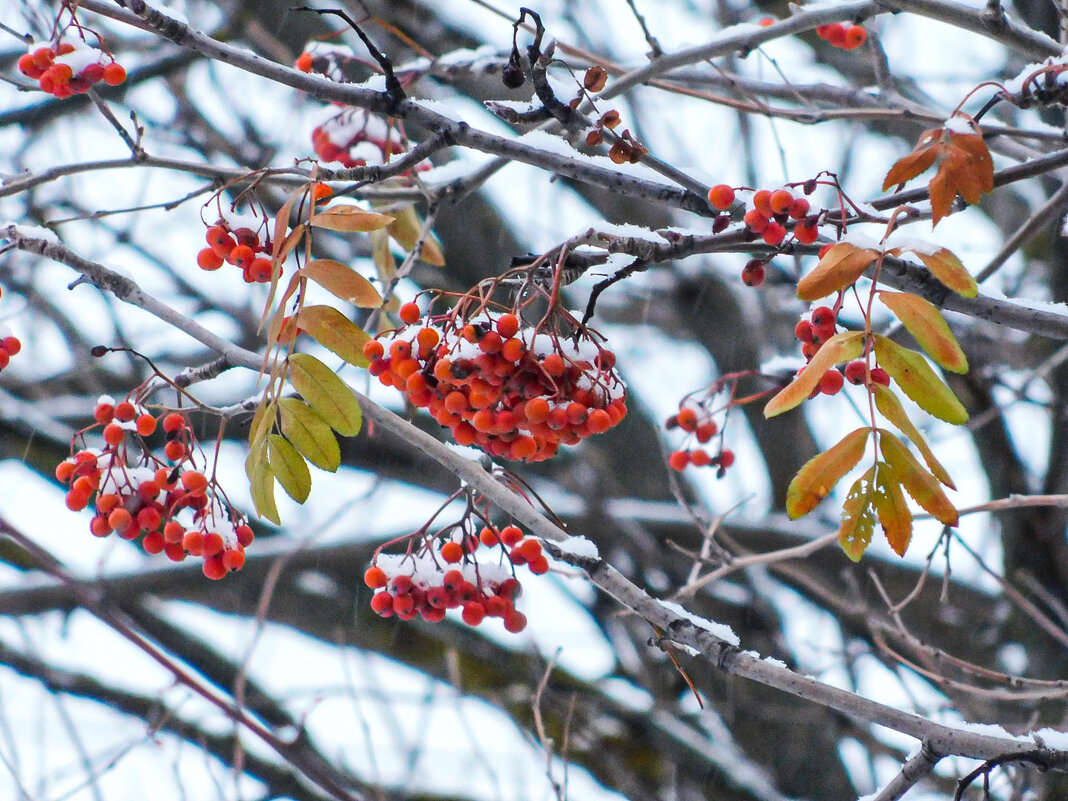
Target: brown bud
610,119
594,138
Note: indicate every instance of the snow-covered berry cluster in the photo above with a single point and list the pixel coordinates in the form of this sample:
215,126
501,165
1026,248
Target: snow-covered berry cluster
241,243
168,505
513,392
70,67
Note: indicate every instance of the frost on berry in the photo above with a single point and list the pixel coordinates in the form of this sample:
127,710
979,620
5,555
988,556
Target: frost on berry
514,391
70,66
166,504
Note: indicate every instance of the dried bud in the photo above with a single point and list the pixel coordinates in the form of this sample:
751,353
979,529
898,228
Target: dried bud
595,79
99,350
513,76
720,223
620,152
594,138
610,119
809,186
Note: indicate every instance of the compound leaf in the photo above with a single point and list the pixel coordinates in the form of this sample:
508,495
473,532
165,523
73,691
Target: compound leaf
334,331
289,468
921,485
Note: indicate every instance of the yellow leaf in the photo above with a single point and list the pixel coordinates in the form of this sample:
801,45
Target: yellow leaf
892,509
342,281
815,480
350,219
406,229
261,482
948,269
309,434
327,394
334,331
929,328
840,348
289,468
919,381
840,267
858,522
890,408
921,485
262,422
382,256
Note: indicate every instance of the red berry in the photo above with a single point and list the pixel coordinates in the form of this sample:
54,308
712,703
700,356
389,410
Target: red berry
706,431
823,316
831,382
687,419
762,202
803,331
114,74
11,344
382,604
721,197
700,458
410,313
515,622
375,578
452,552
753,275
208,259
880,376
510,535
805,234
726,458
507,325
473,613
855,371
125,412
780,201
679,460
854,37
755,221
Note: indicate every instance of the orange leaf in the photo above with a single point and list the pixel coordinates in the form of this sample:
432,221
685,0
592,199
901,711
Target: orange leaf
921,485
839,348
928,327
916,162
919,381
840,266
890,408
858,522
815,480
350,219
893,510
342,281
944,265
334,331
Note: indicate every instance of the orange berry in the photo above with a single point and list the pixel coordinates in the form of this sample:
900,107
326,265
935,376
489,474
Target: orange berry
507,326
258,271
726,458
11,344
522,448
114,74
773,233
146,425
553,364
233,560
539,566
120,520
805,234
452,552
113,434
855,36
77,500
515,622
599,421
706,431
214,568
125,412
427,338
780,201
679,460
721,197
489,537
687,419
373,349
410,313
831,382
208,259
473,613
99,526
64,471
194,482
241,256
153,543
537,410
510,535
173,531
513,349
175,450
799,208
304,62
700,458
756,221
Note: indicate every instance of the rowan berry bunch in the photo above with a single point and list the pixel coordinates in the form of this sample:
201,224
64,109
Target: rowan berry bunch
139,496
71,67
357,138
240,244
445,572
696,417
768,215
511,390
847,37
9,346
815,329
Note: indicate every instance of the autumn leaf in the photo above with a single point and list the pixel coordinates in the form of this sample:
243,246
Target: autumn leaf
350,219
817,477
343,282
892,509
964,165
261,481
334,331
921,485
840,267
890,408
858,520
919,381
309,434
929,328
406,229
289,468
944,265
840,348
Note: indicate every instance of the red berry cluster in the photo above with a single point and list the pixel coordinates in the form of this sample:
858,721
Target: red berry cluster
847,37
139,496
240,247
423,583
697,422
9,346
356,138
70,68
817,328
512,392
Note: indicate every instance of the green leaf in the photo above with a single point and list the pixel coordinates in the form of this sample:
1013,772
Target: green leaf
840,348
919,381
289,468
327,394
261,482
335,332
921,485
262,422
858,521
309,434
350,219
927,325
890,408
815,480
342,281
892,509
840,267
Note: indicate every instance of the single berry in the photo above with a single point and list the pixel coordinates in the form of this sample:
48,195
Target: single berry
721,197
831,382
409,313
855,371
